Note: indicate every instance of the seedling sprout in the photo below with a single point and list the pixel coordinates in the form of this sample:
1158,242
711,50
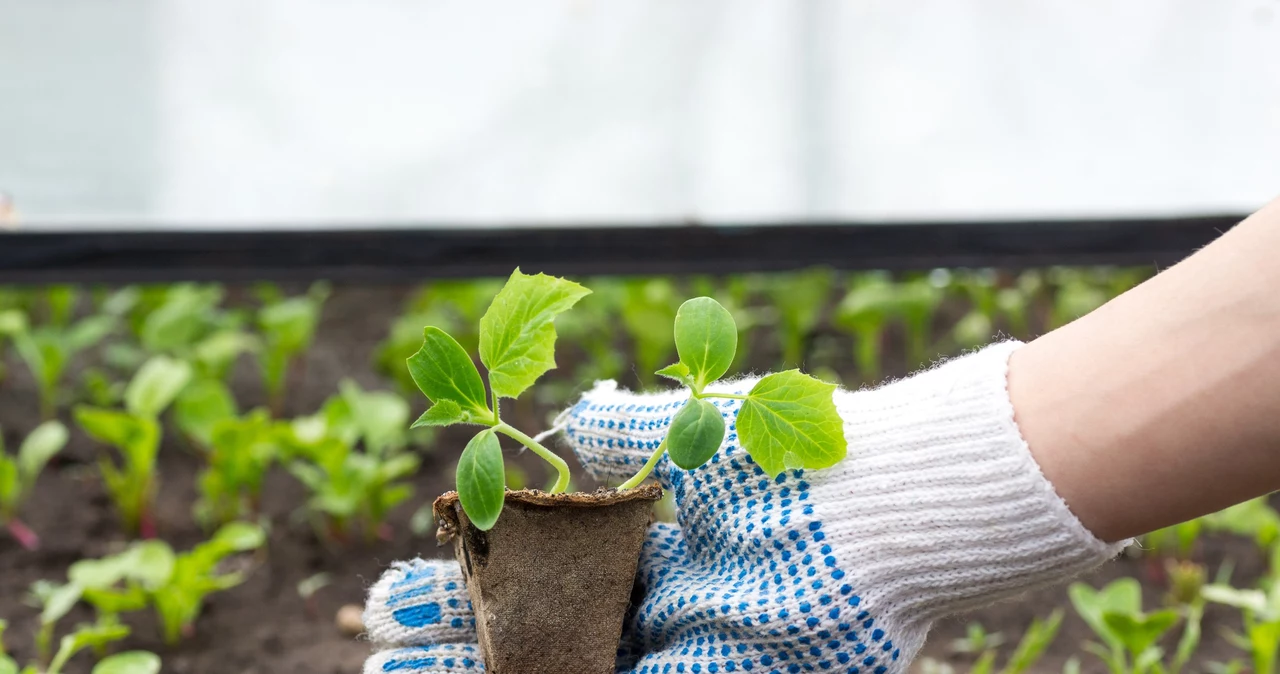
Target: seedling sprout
786,421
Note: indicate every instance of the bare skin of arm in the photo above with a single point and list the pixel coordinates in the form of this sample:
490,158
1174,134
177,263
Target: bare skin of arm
1164,404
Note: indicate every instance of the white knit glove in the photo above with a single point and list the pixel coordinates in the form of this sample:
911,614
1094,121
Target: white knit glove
938,508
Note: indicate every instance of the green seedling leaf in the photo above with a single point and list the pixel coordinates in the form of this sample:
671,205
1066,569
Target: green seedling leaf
789,420
129,662
985,664
706,339
1254,601
1139,632
443,371
518,334
58,603
7,665
200,407
679,372
1121,596
98,573
89,331
45,441
218,351
1038,637
379,416
443,413
89,636
12,321
156,384
239,537
151,563
695,434
480,480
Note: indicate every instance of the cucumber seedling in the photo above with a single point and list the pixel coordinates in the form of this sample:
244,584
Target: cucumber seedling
787,420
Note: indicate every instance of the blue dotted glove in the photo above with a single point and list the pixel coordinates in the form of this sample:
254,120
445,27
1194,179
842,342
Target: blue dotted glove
938,508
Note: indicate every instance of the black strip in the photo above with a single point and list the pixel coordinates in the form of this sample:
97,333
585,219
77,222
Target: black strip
391,255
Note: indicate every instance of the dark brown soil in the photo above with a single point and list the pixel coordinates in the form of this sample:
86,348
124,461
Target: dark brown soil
264,626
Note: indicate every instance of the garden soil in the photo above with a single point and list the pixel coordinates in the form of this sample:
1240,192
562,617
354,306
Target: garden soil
263,626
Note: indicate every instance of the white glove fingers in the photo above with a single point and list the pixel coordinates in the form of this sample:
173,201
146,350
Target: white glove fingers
420,602
435,659
614,432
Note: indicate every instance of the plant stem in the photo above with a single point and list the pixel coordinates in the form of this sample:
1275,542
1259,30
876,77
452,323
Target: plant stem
731,396
648,465
24,535
562,482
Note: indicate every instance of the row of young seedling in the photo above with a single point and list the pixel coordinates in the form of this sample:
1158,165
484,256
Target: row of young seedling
863,326
180,343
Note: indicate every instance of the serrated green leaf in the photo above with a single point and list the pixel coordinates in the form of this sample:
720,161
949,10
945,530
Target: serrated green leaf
790,418
679,372
518,334
480,480
443,371
695,434
706,339
46,440
129,662
443,413
156,384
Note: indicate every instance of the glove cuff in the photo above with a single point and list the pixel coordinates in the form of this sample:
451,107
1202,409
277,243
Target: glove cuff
941,503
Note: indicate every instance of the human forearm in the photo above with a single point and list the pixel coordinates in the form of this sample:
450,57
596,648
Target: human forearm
1164,404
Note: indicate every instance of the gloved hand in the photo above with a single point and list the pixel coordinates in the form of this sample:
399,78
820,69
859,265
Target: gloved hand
938,508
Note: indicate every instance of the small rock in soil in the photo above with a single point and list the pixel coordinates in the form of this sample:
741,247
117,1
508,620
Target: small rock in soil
350,620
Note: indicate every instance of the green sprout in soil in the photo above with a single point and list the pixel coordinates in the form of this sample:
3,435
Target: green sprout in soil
241,451
18,476
288,326
55,602
800,299
786,421
1038,637
96,637
349,486
135,432
47,349
151,574
1259,613
1131,637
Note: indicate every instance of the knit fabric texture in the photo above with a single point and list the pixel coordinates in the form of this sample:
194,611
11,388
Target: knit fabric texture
938,508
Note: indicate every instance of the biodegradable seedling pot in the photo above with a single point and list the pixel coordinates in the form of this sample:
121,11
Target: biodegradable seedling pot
551,581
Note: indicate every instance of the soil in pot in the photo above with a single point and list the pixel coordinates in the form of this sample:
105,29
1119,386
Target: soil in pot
551,581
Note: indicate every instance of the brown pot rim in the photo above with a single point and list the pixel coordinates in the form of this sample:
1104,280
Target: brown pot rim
446,504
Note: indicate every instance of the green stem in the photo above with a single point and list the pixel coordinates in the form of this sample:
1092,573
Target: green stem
731,396
562,482
653,461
